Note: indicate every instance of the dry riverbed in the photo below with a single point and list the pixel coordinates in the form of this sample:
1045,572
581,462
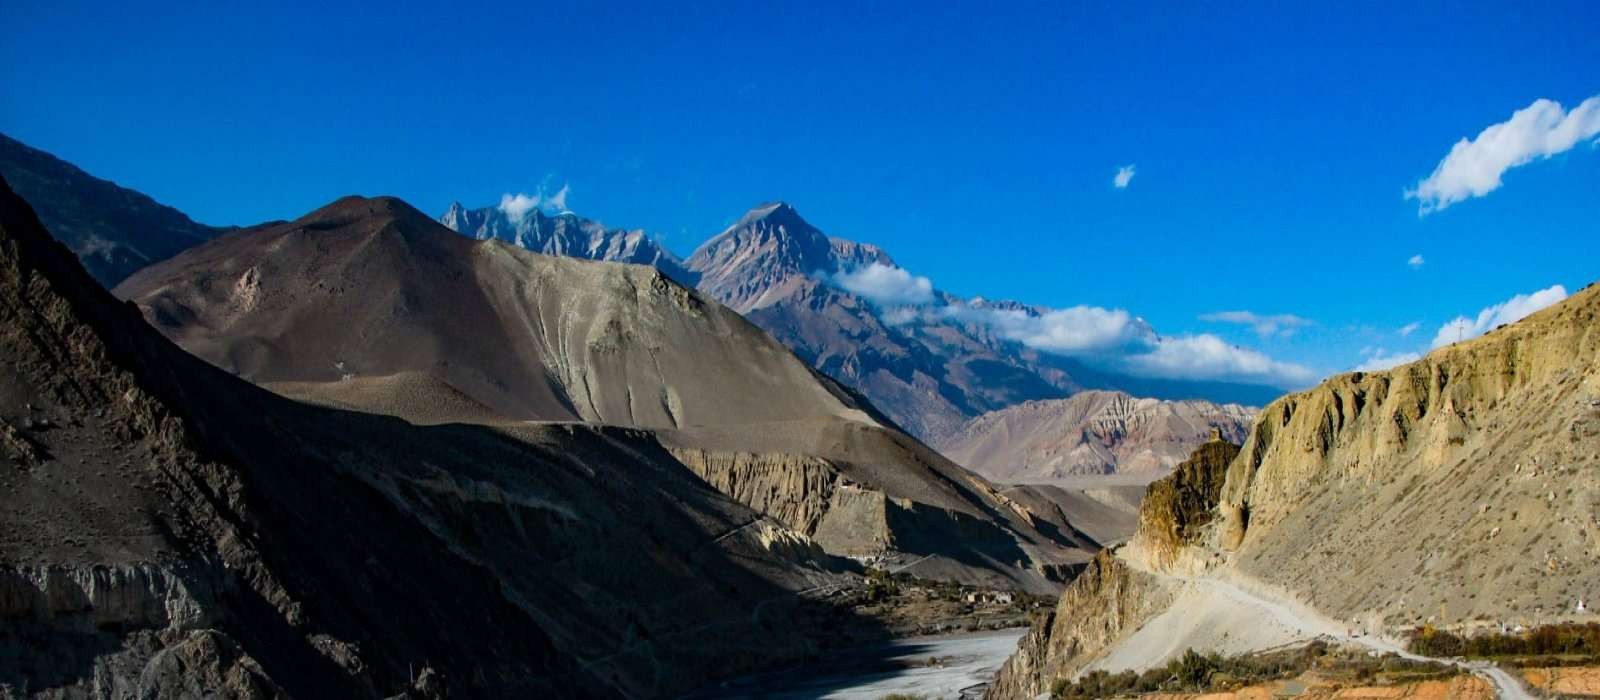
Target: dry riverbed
952,666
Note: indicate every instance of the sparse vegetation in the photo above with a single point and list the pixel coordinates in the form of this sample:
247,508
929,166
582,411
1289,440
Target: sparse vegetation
1197,672
1544,646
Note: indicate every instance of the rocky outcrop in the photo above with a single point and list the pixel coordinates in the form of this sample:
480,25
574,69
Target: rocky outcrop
1107,600
1458,488
1176,509
806,494
137,596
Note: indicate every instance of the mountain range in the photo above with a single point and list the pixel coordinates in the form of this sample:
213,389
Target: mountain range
170,530
370,305
1092,433
929,371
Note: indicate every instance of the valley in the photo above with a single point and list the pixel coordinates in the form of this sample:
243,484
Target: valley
865,351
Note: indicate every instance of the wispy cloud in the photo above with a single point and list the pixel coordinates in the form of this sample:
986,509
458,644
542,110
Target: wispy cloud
1264,325
1078,330
1379,359
1473,168
1109,338
1461,328
1509,311
1123,177
885,285
1206,356
558,201
516,206
1416,262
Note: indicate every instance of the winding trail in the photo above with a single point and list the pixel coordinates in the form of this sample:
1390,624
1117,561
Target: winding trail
1312,625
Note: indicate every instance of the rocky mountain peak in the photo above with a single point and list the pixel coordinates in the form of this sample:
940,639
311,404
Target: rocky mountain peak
770,248
568,234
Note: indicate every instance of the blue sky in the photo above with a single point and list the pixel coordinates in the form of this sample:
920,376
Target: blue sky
1272,144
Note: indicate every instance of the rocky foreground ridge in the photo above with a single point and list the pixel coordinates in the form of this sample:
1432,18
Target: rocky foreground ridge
1460,490
169,530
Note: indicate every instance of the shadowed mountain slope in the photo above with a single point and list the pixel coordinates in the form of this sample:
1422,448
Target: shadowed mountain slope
169,530
370,305
114,230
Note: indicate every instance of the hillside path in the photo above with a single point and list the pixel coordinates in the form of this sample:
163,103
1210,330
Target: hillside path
1296,615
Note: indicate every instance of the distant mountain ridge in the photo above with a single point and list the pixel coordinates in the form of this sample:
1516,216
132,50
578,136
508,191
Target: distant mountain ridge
927,374
1092,432
565,233
114,230
930,372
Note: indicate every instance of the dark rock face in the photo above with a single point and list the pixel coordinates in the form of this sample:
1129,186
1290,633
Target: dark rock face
1105,601
114,230
1175,508
169,530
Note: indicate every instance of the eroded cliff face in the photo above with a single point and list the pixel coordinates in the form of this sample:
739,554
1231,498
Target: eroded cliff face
1177,509
1106,601
806,494
1461,488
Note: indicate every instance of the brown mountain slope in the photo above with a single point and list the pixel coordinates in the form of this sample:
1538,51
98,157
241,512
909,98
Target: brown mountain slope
366,303
168,530
371,288
1459,490
1093,432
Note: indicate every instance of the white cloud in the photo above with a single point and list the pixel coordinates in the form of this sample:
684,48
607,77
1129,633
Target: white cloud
1265,326
1206,356
1406,330
1123,177
1473,168
1416,262
558,201
1380,359
516,206
885,284
1508,311
1077,330
1110,338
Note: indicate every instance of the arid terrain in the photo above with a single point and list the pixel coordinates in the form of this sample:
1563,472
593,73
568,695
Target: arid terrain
1091,433
1455,491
